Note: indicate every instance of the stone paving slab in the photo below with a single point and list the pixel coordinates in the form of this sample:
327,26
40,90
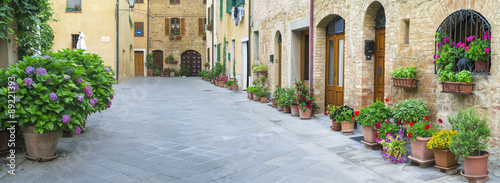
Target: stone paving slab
187,130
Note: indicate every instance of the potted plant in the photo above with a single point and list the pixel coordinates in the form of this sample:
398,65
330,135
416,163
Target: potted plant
253,90
410,110
305,100
447,79
331,112
205,36
294,107
206,65
262,69
287,99
478,51
405,77
471,142
388,127
276,95
150,63
234,87
464,78
249,92
172,36
369,116
420,133
169,59
156,72
439,143
394,147
345,116
77,7
178,36
209,26
262,94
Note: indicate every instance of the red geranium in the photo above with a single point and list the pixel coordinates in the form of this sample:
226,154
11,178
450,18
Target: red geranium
411,123
440,121
352,118
409,134
376,134
387,100
356,113
426,117
427,127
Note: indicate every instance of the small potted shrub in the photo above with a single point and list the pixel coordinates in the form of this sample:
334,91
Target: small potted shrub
465,79
410,110
253,90
288,96
345,116
262,94
471,142
369,116
261,69
420,133
306,100
448,81
405,77
439,143
294,106
276,95
394,147
478,51
150,62
234,85
331,112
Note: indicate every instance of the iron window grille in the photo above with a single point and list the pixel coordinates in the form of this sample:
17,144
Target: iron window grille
74,40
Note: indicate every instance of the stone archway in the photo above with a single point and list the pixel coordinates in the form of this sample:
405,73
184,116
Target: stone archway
192,60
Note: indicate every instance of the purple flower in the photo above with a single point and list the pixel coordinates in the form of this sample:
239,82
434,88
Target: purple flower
29,70
111,96
14,86
452,43
109,104
46,56
107,70
67,77
78,130
114,77
434,56
92,103
87,90
48,80
470,39
446,39
392,120
79,80
41,71
53,97
80,98
16,99
95,100
466,48
65,119
440,44
487,50
28,81
434,62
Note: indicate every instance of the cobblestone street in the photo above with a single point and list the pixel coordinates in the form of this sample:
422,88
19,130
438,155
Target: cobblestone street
187,130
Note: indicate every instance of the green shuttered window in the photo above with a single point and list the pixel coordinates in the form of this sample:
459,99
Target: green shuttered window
240,2
221,6
229,6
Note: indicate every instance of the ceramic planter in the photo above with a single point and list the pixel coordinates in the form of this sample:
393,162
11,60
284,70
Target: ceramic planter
347,127
305,114
263,100
369,134
294,109
150,72
450,87
256,98
476,167
286,109
40,147
465,88
419,149
336,126
445,158
234,87
279,107
273,102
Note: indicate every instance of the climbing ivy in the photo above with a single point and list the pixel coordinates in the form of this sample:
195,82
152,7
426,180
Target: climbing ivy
31,18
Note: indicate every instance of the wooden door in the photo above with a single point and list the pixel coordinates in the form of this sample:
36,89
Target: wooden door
379,64
304,57
192,60
158,57
279,65
335,70
139,63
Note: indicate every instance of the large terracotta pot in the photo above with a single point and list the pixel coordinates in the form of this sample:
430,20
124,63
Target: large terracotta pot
476,166
263,100
234,87
40,147
419,149
445,158
336,126
249,95
279,107
273,102
286,109
305,114
150,72
465,88
369,134
256,98
347,127
4,138
295,110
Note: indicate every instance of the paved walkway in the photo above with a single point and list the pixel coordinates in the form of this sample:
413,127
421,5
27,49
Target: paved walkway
186,130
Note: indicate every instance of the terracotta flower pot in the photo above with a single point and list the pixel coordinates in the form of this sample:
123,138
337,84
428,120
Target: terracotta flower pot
40,147
249,95
305,114
256,98
234,87
445,158
465,88
410,82
347,127
150,72
280,108
369,134
419,149
273,102
476,166
286,109
294,110
263,100
336,126
449,86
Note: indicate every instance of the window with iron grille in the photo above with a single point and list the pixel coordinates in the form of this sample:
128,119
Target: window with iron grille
139,26
463,43
175,26
74,40
74,5
173,2
139,1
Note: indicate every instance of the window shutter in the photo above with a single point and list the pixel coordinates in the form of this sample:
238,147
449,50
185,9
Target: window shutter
201,26
240,2
229,6
218,52
183,28
167,26
220,9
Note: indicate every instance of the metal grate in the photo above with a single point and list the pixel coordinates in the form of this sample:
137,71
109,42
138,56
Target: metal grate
405,83
74,40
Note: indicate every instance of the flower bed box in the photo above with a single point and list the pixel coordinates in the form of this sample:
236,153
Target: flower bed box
457,88
405,82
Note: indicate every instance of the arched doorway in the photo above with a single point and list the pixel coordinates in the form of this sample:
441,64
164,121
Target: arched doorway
335,39
379,86
192,60
158,57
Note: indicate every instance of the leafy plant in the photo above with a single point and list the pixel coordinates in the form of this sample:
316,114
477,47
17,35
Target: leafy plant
201,74
409,72
277,92
259,68
218,70
445,59
170,58
464,76
252,89
441,139
445,75
372,114
150,62
344,113
472,133
287,95
229,82
410,110
304,96
424,128
184,71
478,48
331,111
388,127
396,152
156,72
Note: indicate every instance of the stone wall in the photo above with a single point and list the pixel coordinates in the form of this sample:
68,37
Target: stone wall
190,10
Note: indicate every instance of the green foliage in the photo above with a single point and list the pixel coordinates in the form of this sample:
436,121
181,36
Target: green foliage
35,106
410,110
224,57
262,92
229,82
476,49
388,127
445,75
259,68
344,113
446,57
396,152
331,111
169,58
286,97
472,135
252,89
156,72
218,70
184,71
409,72
277,92
208,74
373,113
150,62
464,76
201,74
421,129
305,98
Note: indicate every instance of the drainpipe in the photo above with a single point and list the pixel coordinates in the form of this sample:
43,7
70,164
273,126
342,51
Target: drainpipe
147,43
117,40
311,40
249,38
213,32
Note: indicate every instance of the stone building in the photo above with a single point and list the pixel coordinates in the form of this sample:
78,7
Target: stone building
403,35
98,23
140,17
177,28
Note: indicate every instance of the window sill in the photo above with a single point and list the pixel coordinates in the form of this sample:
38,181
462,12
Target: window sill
74,11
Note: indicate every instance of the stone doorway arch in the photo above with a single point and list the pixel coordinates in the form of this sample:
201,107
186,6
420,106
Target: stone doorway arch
192,60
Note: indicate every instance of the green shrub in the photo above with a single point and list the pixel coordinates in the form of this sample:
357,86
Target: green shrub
410,110
372,114
184,71
409,72
472,133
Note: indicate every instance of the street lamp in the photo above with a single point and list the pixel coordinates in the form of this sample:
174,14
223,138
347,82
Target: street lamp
131,3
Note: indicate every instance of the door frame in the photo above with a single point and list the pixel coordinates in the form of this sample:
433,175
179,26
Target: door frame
375,87
302,55
335,66
143,61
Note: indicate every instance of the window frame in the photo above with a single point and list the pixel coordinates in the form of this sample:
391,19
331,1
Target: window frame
173,23
73,9
138,25
175,2
74,40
